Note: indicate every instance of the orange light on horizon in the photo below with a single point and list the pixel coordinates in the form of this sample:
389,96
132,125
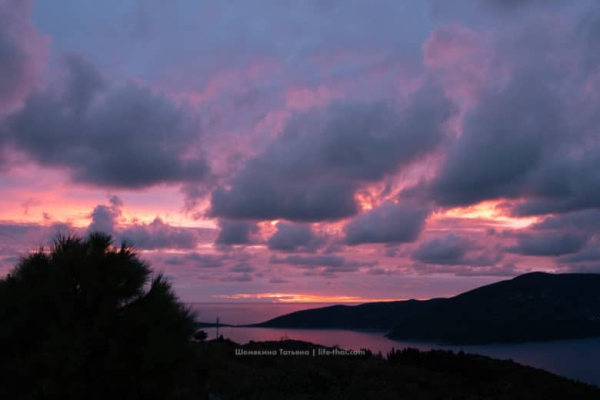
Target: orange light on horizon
303,298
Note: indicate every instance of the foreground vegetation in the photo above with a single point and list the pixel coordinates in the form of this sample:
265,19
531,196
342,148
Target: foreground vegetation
403,374
87,320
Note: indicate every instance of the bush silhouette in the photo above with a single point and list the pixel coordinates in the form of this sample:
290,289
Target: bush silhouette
88,320
201,335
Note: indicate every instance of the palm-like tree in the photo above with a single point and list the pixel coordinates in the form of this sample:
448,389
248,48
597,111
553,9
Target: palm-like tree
88,320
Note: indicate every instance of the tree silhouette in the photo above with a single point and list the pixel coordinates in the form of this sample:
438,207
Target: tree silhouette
88,320
201,335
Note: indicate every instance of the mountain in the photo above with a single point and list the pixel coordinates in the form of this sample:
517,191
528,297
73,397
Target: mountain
531,307
381,315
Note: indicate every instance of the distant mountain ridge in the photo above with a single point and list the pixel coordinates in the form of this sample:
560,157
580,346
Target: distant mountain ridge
380,315
531,307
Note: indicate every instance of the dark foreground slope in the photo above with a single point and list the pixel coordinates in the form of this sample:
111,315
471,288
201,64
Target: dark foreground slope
407,374
530,307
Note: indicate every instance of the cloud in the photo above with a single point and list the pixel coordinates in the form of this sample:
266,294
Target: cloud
529,136
121,137
309,261
104,219
508,268
505,137
454,250
388,223
22,237
591,252
159,235
152,236
205,260
331,262
312,170
584,221
244,277
515,4
236,232
449,250
278,280
380,271
573,236
22,53
548,244
295,238
494,8
199,260
242,267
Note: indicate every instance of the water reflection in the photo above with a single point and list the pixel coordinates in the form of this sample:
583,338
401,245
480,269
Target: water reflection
576,359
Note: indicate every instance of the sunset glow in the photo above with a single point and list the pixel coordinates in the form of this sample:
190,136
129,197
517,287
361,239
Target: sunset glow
301,298
246,148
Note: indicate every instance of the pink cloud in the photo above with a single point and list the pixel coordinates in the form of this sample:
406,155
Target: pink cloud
302,99
461,57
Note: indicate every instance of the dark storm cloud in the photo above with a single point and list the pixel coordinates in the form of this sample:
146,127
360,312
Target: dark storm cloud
236,232
388,223
548,243
312,170
126,137
294,237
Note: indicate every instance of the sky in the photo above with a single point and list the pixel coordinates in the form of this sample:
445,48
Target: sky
314,151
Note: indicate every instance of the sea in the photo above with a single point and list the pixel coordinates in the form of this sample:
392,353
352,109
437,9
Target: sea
576,359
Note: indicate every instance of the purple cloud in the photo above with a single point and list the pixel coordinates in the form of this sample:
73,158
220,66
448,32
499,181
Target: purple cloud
295,238
388,223
313,169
